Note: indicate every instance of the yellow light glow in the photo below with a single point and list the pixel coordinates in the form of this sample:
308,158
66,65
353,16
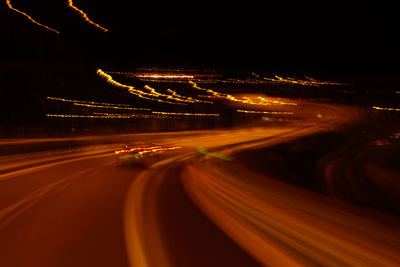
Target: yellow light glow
8,2
308,82
147,149
185,114
245,100
265,112
85,17
85,102
165,76
189,99
388,109
133,90
92,104
107,116
110,107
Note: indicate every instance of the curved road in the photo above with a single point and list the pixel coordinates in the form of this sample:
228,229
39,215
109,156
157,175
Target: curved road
196,206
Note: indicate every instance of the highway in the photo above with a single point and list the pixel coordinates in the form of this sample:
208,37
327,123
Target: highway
198,205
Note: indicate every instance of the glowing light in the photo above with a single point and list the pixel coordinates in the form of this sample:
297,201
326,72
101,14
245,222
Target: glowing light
85,102
88,116
164,76
106,116
147,149
84,16
388,109
8,2
265,112
185,114
110,107
308,82
189,99
133,90
245,100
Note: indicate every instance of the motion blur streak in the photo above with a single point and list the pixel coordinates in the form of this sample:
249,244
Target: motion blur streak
84,16
265,112
8,2
282,225
389,109
258,100
133,90
186,114
189,99
157,94
86,102
109,107
195,203
308,82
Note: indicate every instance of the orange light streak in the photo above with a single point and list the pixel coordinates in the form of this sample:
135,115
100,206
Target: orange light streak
388,109
8,2
107,116
133,90
186,114
308,82
188,98
84,102
144,149
172,96
245,100
165,76
85,17
265,112
109,107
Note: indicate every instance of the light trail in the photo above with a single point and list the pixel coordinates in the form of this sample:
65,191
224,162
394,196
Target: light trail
109,107
388,109
259,100
190,99
173,96
308,82
8,2
131,89
84,102
186,114
265,112
107,116
85,17
147,149
165,76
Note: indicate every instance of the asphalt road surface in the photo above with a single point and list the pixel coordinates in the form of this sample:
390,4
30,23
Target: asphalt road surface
194,206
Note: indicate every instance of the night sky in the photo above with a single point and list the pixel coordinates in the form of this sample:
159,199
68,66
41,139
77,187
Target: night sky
327,35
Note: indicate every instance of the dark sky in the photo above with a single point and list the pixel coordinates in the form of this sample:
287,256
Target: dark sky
329,35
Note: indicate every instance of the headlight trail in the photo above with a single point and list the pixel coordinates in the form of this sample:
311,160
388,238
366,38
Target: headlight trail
85,17
8,2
